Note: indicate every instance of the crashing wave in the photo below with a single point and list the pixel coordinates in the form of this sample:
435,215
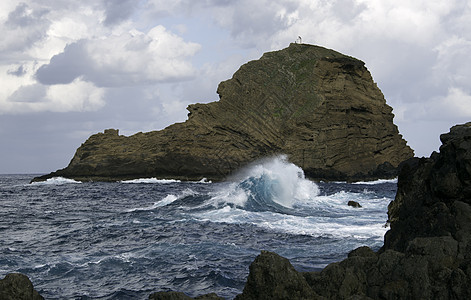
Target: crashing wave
269,185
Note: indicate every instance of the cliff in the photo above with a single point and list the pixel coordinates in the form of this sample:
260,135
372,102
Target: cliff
318,106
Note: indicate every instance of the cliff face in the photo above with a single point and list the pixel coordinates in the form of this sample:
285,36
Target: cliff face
319,107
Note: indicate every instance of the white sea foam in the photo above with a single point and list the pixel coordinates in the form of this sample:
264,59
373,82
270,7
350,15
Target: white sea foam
150,180
165,201
204,180
55,181
379,181
314,215
357,226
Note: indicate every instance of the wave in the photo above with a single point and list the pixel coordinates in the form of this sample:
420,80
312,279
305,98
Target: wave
379,181
55,181
150,180
167,200
268,185
163,181
351,223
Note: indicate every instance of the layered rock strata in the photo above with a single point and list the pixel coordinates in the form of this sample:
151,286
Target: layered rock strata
318,106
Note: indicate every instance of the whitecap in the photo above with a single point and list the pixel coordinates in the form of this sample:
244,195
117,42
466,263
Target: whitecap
204,180
169,199
150,180
55,181
379,181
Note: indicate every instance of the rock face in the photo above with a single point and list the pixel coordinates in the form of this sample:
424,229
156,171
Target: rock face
18,286
427,251
318,106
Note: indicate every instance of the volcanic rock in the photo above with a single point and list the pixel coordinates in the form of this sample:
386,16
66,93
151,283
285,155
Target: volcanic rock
18,286
319,107
273,277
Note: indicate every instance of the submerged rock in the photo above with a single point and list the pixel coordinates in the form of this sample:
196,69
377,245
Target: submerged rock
319,107
353,204
18,286
427,251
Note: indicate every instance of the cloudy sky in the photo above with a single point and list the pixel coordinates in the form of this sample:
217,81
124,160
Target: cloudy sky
69,69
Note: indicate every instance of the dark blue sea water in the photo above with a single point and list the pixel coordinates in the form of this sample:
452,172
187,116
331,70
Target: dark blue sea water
125,240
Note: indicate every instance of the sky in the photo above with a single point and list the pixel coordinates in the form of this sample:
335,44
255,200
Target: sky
69,69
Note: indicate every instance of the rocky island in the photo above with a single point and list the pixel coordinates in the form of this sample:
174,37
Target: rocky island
319,107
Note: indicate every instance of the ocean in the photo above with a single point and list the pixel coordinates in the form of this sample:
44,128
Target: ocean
125,240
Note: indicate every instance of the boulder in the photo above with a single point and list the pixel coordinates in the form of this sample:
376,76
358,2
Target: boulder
273,277
353,204
18,287
319,107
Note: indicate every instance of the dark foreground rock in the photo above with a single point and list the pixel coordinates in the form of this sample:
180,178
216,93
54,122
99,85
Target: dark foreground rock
427,251
319,107
16,286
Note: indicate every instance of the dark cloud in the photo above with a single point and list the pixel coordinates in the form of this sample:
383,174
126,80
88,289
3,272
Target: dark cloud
132,58
66,66
23,16
119,10
20,71
255,21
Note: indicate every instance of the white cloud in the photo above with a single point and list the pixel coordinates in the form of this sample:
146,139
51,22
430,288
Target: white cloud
455,105
77,96
130,58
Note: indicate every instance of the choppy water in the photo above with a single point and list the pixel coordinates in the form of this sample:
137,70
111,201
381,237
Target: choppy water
125,240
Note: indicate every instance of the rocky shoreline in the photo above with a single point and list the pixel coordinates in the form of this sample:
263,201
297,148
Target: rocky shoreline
426,254
319,107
